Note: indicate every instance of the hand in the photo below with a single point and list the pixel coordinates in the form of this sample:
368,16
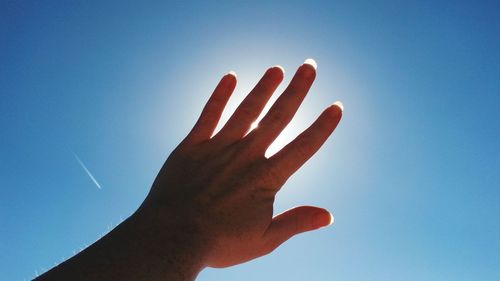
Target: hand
223,187
212,202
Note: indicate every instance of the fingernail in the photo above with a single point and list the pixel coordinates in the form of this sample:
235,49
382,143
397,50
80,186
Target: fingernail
232,73
340,105
312,63
280,67
322,219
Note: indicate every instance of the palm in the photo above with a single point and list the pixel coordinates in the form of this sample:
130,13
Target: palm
226,182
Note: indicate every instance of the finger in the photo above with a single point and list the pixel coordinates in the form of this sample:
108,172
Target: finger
285,107
248,111
292,222
211,113
291,157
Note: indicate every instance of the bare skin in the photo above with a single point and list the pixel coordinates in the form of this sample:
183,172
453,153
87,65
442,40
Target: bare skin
211,204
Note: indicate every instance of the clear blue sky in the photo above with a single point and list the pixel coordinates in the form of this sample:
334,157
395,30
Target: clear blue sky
412,174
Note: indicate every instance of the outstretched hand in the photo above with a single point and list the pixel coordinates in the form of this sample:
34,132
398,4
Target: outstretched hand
212,202
224,186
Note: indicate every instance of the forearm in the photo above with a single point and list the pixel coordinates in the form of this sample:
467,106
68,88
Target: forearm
134,250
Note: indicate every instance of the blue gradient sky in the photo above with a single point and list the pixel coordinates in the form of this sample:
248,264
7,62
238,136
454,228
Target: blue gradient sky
411,174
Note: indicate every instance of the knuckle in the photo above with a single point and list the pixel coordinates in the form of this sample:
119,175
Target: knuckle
302,149
264,178
251,147
218,99
210,116
278,118
247,111
272,178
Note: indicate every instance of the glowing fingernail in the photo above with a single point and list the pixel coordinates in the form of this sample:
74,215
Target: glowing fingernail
312,63
280,67
339,104
331,219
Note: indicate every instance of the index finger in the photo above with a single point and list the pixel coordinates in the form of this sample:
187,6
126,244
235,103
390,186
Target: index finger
290,158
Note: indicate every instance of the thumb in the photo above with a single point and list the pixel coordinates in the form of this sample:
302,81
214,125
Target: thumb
295,221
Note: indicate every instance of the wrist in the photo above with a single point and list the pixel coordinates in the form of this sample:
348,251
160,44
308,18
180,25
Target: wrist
166,242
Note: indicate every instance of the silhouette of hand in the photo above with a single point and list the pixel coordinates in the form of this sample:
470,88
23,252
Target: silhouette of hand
218,191
212,202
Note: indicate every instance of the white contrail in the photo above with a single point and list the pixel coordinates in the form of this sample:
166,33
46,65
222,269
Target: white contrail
87,170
